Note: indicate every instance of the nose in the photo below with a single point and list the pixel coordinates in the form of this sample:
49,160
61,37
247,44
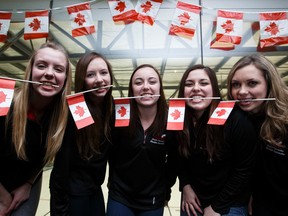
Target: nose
243,90
98,78
196,87
145,85
49,73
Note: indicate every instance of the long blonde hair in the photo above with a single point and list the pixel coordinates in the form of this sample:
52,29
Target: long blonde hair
59,114
274,127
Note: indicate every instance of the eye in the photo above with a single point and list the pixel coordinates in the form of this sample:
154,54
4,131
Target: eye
235,85
104,72
40,66
189,84
60,69
252,83
204,83
90,74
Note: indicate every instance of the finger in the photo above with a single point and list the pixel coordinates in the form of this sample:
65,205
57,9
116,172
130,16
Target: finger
187,209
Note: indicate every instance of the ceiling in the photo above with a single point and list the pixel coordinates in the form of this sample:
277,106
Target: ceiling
127,46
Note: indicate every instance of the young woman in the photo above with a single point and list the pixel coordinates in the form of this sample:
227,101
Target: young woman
255,77
141,163
32,132
80,166
216,161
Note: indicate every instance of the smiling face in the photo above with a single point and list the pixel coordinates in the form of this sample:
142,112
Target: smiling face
145,82
97,76
249,83
197,86
49,68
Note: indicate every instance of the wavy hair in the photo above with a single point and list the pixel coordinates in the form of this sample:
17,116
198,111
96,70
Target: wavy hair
59,114
89,138
274,127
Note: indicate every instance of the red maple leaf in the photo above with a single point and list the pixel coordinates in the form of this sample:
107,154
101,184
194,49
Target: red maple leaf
146,6
228,26
80,19
176,114
35,24
272,28
2,97
1,26
221,112
120,6
122,111
79,111
184,18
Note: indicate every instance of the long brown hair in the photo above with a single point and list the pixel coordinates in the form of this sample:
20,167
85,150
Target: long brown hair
89,138
208,136
274,127
157,127
59,113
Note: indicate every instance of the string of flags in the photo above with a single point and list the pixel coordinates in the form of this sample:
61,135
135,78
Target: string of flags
229,30
83,117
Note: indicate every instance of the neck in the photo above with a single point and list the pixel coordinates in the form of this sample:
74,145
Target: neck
40,105
147,116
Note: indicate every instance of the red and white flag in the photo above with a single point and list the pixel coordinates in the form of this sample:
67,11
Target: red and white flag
185,20
221,113
176,114
5,19
229,27
122,10
6,95
122,112
147,10
79,110
36,25
273,29
81,19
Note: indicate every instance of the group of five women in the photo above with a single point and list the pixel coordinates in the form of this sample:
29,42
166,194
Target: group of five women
222,169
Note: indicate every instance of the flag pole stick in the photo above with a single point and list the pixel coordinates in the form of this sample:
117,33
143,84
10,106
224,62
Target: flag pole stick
202,98
27,81
90,90
134,97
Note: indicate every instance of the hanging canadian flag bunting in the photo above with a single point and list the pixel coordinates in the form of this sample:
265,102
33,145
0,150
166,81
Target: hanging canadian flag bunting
229,27
5,19
122,112
221,113
6,95
79,110
185,20
122,11
147,10
81,19
176,114
36,25
273,29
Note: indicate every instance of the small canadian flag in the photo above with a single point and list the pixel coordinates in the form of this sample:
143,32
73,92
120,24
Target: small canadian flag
229,27
81,19
122,112
185,20
147,10
122,10
273,29
36,25
5,19
6,95
221,113
176,114
79,110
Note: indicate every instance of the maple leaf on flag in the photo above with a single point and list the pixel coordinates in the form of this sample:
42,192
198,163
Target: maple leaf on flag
272,28
221,112
228,26
184,18
120,6
146,6
79,111
80,19
122,111
35,24
2,97
176,114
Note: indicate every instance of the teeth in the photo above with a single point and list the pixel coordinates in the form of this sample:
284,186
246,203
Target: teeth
197,97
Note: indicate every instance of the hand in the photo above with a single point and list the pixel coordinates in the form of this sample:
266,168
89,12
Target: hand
5,200
208,211
190,202
19,195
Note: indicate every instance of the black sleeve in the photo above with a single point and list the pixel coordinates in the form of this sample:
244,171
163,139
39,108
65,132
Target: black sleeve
59,178
241,136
